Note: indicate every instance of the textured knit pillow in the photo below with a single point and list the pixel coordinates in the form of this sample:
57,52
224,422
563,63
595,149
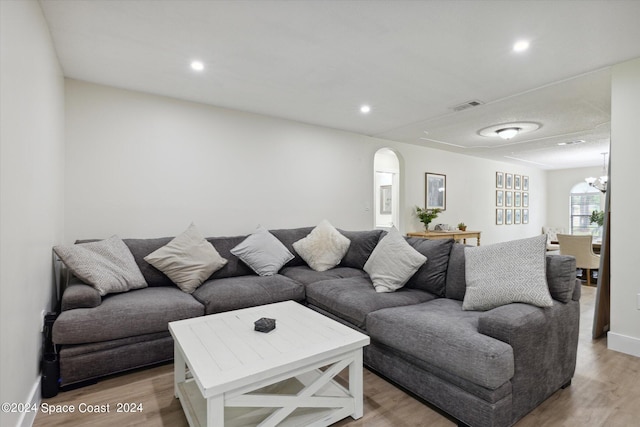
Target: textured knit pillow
506,272
393,262
107,265
323,248
188,260
263,252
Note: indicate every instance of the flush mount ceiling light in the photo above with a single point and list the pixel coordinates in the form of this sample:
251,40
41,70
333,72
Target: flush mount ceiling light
197,65
509,130
507,133
364,109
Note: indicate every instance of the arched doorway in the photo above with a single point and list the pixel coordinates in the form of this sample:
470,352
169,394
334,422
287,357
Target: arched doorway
386,188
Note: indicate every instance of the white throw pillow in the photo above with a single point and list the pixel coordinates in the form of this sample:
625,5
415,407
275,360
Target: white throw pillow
263,252
393,262
323,248
507,272
107,265
188,260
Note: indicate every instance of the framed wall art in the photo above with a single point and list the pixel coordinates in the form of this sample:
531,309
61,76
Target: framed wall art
517,199
508,216
508,198
525,216
508,181
499,180
517,216
435,194
499,216
499,198
517,182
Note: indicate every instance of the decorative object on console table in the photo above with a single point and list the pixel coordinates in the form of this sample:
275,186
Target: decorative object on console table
426,215
455,235
462,226
435,194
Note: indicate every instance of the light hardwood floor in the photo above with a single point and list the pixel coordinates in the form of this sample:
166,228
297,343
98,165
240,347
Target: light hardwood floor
605,392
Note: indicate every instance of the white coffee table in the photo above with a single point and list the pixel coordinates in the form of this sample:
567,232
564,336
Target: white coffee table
227,374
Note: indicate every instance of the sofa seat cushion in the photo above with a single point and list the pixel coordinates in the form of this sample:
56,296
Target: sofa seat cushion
441,334
139,312
306,275
233,293
353,298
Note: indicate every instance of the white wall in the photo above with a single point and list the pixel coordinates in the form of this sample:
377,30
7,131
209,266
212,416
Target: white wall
624,332
31,195
140,165
559,184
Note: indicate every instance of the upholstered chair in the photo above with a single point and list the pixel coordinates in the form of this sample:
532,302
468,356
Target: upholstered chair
580,247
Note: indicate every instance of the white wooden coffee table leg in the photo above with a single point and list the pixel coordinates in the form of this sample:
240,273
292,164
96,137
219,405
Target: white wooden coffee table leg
355,385
179,369
215,411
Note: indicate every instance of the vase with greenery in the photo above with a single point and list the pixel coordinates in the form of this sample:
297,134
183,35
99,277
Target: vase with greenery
427,215
462,226
597,217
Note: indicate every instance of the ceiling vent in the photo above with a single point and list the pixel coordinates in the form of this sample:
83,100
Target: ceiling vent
467,105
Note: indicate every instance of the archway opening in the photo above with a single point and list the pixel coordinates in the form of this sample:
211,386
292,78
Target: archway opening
386,188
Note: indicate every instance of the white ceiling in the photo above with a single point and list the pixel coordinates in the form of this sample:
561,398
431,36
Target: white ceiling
412,61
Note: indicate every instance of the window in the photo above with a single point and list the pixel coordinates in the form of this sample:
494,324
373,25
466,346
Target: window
584,200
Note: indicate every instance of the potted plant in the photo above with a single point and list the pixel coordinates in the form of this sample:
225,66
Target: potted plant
462,226
427,215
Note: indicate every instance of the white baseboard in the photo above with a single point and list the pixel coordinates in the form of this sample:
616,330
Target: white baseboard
623,344
27,418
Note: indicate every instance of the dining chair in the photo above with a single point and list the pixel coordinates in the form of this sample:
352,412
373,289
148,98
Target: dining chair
580,247
552,237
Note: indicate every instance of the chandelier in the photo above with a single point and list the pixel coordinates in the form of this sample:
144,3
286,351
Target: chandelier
600,183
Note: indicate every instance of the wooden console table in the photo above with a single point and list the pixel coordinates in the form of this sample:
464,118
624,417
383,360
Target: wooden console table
456,235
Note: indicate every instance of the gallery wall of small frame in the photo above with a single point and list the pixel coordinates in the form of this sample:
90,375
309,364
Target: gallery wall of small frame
512,199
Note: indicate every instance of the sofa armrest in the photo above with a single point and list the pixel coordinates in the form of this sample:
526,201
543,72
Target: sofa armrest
544,343
80,295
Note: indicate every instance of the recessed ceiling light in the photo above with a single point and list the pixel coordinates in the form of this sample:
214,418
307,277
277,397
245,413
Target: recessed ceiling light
197,65
365,109
521,46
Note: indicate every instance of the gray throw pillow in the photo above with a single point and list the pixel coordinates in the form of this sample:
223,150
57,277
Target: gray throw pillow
507,272
188,260
263,252
393,262
323,248
107,265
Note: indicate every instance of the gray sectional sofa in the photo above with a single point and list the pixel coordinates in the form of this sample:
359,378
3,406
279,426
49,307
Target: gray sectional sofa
484,368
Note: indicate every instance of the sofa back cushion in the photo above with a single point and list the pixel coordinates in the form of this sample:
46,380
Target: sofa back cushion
561,277
456,282
431,277
140,248
362,244
288,236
